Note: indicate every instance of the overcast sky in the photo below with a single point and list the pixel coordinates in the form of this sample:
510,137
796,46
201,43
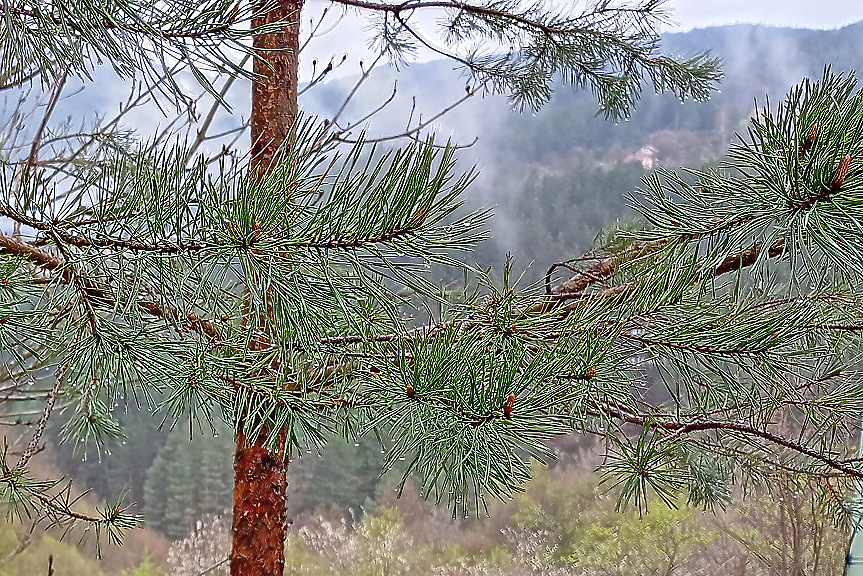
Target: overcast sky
798,13
350,35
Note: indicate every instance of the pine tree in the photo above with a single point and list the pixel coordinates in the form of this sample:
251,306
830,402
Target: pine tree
189,480
216,475
270,290
156,489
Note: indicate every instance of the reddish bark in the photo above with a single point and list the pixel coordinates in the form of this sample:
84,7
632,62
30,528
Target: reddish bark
274,94
260,484
258,529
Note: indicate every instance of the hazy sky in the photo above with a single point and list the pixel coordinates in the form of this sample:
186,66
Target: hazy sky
799,13
350,35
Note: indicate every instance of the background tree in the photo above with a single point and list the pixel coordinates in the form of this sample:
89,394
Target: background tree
188,481
269,289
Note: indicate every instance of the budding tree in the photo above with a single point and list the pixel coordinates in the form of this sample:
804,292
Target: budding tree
717,343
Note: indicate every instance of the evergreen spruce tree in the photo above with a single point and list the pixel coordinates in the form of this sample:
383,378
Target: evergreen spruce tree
190,479
120,470
215,476
156,488
345,476
182,503
270,291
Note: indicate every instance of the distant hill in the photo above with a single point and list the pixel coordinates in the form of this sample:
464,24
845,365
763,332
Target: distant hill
757,61
518,153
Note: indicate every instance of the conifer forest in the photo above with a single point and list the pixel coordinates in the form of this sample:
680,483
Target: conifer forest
428,287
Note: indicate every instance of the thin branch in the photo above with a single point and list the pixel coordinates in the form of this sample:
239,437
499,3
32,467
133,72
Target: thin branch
33,156
228,132
701,426
79,283
33,446
316,27
692,347
410,5
23,542
362,79
215,566
323,74
575,287
47,261
418,128
599,270
49,109
211,114
150,31
115,243
380,108
427,44
350,243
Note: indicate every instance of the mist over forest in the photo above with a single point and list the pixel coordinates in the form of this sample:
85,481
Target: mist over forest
558,175
555,178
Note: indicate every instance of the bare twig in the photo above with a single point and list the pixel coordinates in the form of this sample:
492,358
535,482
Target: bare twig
335,118
416,129
33,156
211,114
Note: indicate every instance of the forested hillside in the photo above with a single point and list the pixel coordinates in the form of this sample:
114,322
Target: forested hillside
556,177
570,144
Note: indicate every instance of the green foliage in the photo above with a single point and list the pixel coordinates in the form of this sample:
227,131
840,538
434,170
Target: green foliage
281,299
190,478
146,568
135,38
520,49
300,300
580,522
28,554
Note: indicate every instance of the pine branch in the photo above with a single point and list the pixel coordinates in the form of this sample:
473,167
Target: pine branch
599,270
682,427
692,347
15,247
610,50
33,445
58,509
79,241
485,11
147,30
81,285
351,243
576,286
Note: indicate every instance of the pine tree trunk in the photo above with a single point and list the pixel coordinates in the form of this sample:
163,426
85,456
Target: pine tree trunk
260,484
